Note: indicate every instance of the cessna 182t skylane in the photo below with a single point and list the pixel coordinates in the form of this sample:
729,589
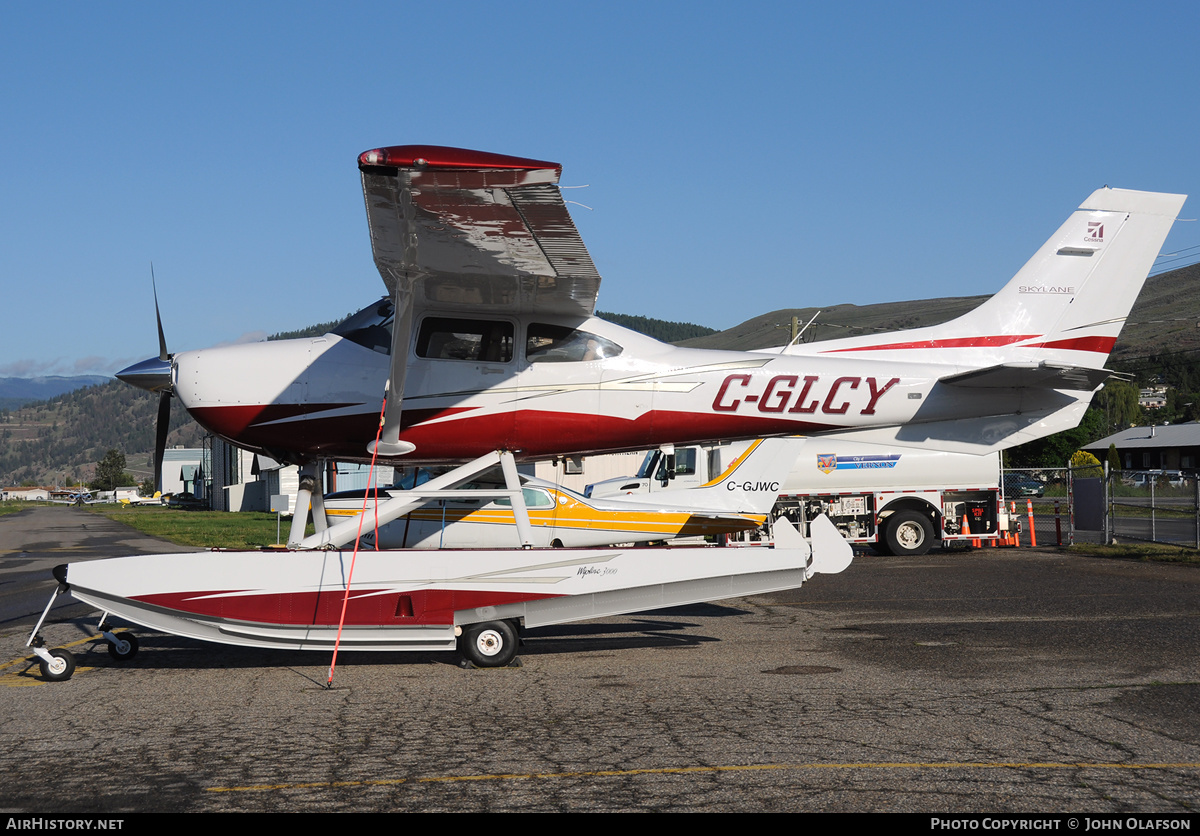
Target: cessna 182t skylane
491,354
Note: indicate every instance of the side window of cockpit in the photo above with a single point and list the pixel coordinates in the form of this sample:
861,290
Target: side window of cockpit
556,344
443,338
685,461
534,498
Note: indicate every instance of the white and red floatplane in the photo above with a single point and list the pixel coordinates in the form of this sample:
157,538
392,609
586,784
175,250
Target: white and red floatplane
486,352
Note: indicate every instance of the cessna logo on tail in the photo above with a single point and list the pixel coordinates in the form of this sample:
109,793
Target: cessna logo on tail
812,394
1095,232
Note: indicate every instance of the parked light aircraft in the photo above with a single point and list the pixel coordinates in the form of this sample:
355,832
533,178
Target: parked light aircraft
496,348
488,352
737,500
157,499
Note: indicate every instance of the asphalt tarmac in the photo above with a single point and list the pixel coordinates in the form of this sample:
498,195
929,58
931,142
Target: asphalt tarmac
990,681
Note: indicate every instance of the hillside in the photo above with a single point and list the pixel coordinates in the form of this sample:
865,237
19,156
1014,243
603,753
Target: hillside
1166,317
771,329
18,391
60,440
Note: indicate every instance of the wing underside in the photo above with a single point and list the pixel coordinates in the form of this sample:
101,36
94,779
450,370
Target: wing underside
475,232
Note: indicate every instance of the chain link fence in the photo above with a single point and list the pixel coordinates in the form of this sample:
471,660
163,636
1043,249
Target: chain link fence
1098,505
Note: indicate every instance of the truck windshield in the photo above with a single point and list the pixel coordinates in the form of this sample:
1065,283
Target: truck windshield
655,464
648,464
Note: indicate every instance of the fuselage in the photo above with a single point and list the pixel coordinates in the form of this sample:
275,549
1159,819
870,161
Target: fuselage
541,387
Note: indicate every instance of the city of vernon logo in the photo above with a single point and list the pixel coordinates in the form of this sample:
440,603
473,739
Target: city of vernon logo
827,464
1095,232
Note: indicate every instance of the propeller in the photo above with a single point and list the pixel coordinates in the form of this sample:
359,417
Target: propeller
154,375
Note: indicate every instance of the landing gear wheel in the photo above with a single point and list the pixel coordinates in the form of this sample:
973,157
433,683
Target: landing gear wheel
909,534
125,647
492,644
60,667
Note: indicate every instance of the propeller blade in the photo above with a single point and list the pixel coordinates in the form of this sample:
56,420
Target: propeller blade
161,428
162,340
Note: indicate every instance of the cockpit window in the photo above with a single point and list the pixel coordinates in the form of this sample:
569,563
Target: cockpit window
443,338
371,327
556,344
534,498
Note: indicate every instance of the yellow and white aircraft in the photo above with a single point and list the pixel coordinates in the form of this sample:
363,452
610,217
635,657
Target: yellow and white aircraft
737,500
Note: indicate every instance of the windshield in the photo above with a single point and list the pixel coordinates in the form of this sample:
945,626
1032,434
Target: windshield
371,327
557,344
648,463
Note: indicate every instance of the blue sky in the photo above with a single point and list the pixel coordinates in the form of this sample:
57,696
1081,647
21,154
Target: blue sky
739,158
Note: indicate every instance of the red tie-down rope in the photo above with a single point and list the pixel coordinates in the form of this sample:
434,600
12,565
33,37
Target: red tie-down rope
358,537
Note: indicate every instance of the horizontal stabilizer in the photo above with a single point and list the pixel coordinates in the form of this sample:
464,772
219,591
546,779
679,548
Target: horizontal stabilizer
976,436
1030,376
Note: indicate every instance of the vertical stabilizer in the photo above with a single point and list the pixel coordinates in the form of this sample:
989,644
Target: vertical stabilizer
1065,306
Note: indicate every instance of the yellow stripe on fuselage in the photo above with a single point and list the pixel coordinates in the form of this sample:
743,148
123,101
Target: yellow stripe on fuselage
574,515
736,464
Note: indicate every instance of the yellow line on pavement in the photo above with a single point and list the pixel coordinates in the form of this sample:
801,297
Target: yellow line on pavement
692,770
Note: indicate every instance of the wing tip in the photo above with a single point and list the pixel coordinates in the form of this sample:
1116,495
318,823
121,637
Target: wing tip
446,158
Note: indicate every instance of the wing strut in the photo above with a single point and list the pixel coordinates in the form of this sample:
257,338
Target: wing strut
389,444
343,533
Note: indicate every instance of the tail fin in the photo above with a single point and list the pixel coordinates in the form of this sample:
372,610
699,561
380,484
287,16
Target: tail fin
1067,304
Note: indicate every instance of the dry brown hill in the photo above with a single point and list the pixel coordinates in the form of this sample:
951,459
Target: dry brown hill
1166,317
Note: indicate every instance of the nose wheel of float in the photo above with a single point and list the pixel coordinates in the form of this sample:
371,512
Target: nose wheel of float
58,665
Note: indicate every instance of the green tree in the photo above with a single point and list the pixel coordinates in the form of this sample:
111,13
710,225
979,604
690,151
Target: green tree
1114,458
110,472
1119,401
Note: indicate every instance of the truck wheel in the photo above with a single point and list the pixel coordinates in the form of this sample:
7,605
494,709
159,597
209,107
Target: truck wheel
909,533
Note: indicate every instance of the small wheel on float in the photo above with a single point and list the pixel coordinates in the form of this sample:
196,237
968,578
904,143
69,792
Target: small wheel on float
909,533
492,644
60,667
125,647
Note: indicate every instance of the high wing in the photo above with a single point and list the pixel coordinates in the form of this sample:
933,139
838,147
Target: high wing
461,230
478,231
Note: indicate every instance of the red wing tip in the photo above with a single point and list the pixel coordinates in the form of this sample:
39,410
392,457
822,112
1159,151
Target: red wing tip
439,157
